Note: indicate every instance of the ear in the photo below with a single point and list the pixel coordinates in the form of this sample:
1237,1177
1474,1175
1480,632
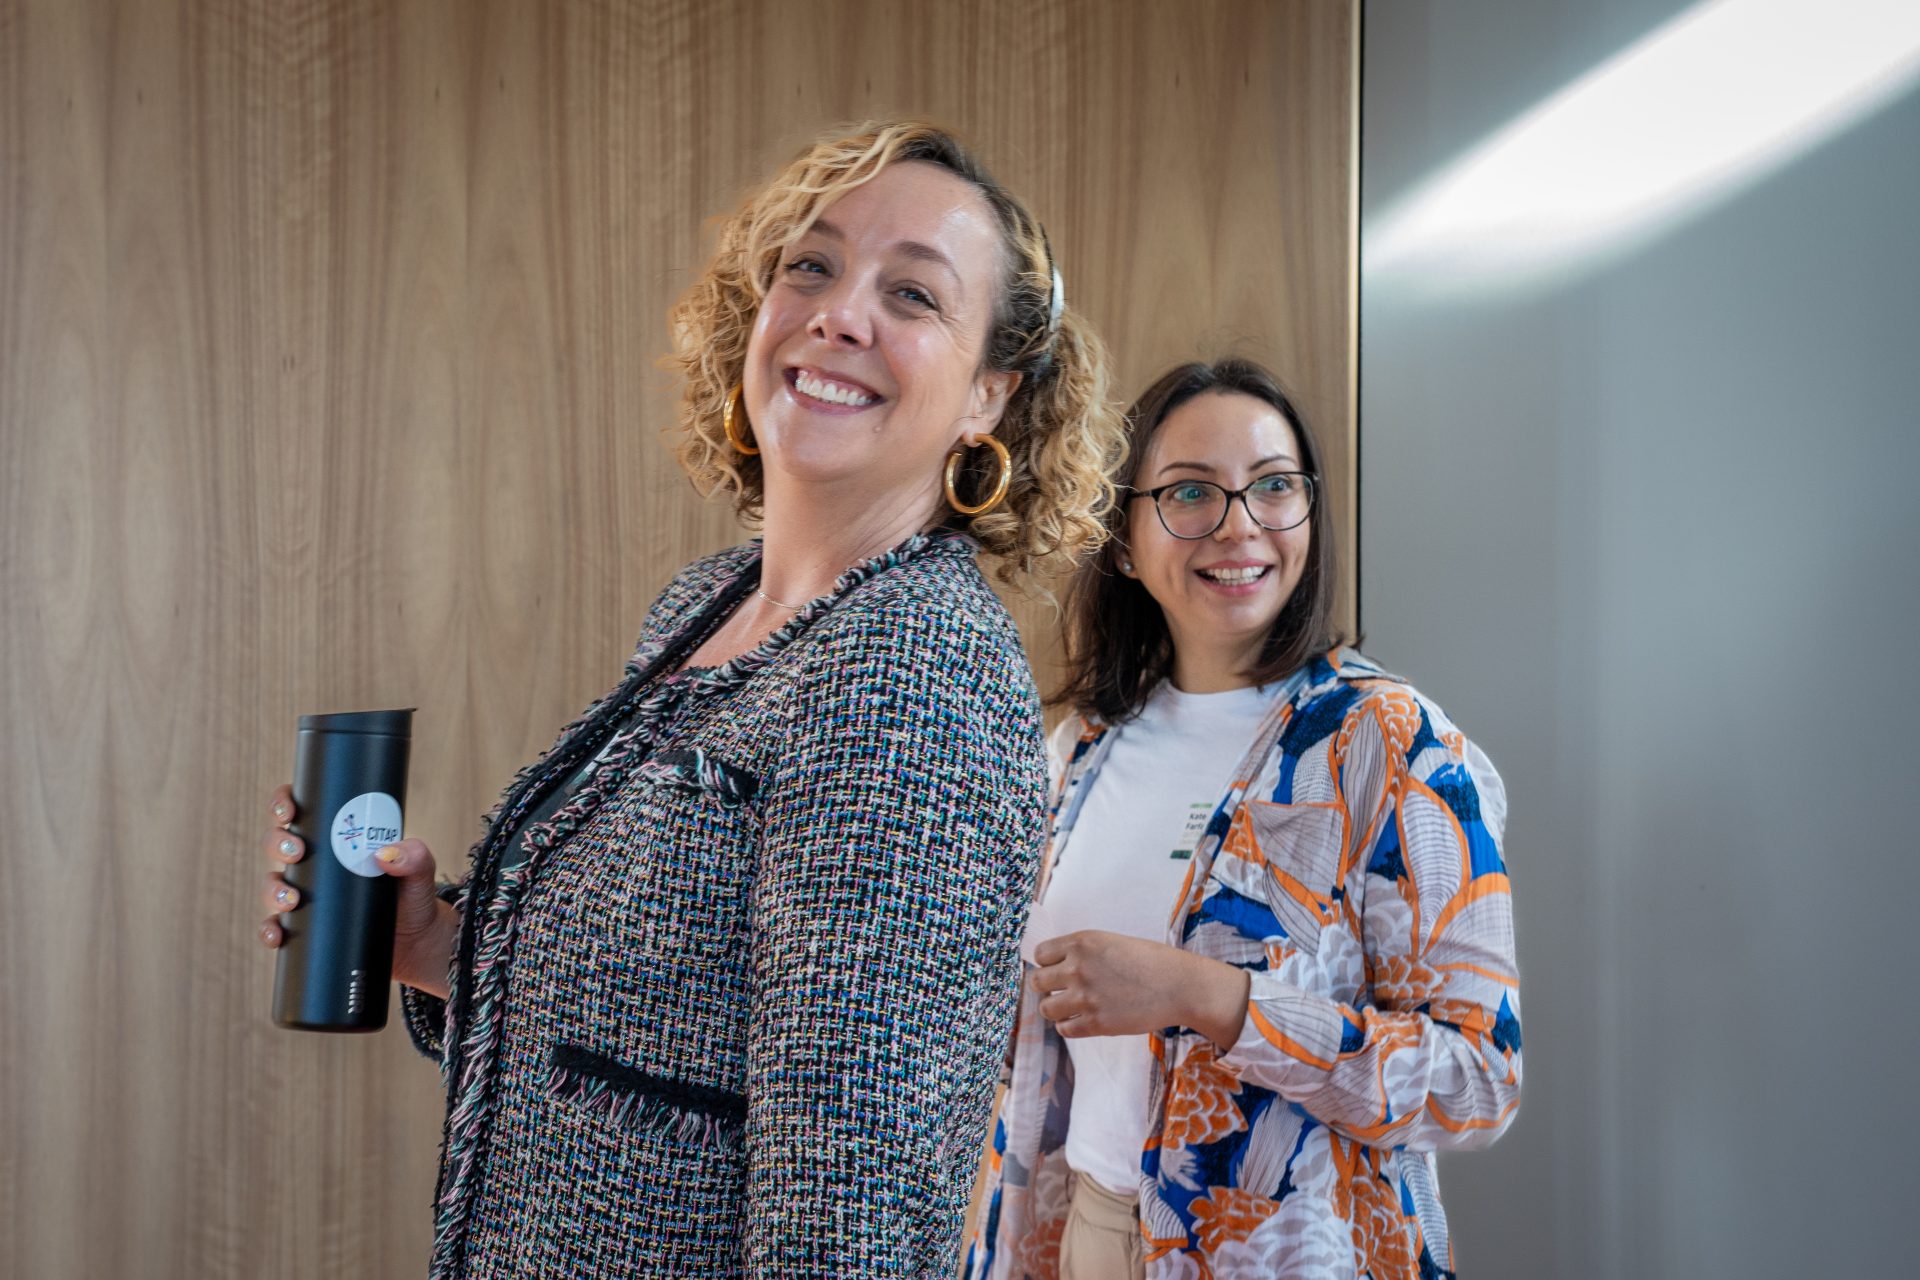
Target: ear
991,392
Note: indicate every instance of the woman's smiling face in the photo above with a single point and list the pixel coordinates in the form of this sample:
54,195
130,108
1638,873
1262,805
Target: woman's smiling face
864,366
1222,593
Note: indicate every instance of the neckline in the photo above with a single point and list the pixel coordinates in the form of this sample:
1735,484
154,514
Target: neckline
1249,692
741,667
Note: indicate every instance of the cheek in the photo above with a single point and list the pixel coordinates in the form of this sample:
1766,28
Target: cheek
927,368
1137,530
762,346
1158,557
935,386
1293,554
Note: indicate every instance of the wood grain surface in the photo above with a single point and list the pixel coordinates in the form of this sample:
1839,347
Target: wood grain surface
328,342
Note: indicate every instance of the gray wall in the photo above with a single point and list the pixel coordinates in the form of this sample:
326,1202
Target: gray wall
1650,537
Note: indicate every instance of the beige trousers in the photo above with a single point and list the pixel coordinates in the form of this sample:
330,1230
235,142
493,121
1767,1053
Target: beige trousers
1102,1236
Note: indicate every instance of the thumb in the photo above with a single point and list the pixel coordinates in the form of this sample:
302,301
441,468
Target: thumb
410,861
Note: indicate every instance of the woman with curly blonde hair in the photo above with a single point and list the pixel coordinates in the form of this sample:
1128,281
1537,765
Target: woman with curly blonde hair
727,985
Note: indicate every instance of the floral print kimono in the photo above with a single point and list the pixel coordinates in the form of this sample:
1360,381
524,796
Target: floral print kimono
1353,868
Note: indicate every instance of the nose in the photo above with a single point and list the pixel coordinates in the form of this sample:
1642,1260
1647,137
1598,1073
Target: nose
843,318
1239,526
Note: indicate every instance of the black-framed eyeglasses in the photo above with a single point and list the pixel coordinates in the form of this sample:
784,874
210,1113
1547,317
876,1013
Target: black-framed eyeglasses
1194,509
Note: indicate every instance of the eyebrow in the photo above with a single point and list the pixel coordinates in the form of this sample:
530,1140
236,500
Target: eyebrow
912,249
1202,466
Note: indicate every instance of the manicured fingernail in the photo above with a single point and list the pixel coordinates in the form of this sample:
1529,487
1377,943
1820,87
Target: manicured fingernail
269,934
390,854
289,847
286,895
280,811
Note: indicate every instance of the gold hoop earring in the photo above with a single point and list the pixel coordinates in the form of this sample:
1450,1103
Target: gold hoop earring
726,424
999,489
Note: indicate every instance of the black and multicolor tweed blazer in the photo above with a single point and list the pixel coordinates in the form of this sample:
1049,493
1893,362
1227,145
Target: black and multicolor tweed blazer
741,1010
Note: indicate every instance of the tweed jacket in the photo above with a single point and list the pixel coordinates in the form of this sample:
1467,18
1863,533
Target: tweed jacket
741,1011
1353,868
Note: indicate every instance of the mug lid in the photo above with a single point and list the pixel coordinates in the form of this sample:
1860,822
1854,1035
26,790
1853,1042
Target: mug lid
397,723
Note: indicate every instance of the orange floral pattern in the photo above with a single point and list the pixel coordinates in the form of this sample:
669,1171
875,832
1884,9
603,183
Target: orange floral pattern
1226,1215
1472,1020
1201,1101
1401,982
1398,714
1040,1251
1383,1238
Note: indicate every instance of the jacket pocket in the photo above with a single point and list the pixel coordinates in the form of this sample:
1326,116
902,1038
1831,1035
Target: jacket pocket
635,1100
695,769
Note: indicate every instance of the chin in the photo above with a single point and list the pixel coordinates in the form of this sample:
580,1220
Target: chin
822,461
1245,614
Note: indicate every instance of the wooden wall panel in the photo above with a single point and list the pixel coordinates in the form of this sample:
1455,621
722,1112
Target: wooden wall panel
328,341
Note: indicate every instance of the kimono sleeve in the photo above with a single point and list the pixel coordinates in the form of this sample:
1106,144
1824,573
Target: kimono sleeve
1430,1058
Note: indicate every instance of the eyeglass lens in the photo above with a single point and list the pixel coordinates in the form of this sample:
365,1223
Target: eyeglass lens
1195,508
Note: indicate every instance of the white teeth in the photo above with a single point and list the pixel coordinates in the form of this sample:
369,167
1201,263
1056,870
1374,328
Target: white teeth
831,392
1234,577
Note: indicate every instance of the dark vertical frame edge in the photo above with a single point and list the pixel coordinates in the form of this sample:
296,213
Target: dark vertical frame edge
1356,430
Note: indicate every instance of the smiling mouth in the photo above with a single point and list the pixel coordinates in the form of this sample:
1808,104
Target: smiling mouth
1236,577
829,391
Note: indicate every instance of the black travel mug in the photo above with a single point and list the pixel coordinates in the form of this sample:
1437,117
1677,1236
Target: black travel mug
336,952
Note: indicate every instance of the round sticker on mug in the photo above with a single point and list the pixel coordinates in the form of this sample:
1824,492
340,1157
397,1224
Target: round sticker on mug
364,826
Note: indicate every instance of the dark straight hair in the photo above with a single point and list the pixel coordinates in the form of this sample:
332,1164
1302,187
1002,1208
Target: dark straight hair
1118,646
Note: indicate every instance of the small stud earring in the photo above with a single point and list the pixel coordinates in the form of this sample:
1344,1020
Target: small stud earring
1126,566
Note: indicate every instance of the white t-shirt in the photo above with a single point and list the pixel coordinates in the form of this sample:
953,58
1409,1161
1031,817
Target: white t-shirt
1121,872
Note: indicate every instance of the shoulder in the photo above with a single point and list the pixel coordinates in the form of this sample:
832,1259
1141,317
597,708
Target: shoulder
1362,708
1070,740
1347,697
1342,687
1380,695
927,648
694,585
927,614
1065,739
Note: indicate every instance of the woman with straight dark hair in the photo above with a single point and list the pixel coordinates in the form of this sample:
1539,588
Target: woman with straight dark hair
1271,961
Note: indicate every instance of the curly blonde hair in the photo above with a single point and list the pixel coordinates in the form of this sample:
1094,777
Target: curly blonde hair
1063,433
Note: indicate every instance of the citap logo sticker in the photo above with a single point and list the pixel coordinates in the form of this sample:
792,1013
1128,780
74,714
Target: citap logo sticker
364,826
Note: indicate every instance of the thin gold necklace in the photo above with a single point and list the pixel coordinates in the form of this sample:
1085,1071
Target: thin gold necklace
782,603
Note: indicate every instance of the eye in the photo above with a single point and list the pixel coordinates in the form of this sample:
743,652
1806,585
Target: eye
1275,485
1189,494
807,266
919,297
